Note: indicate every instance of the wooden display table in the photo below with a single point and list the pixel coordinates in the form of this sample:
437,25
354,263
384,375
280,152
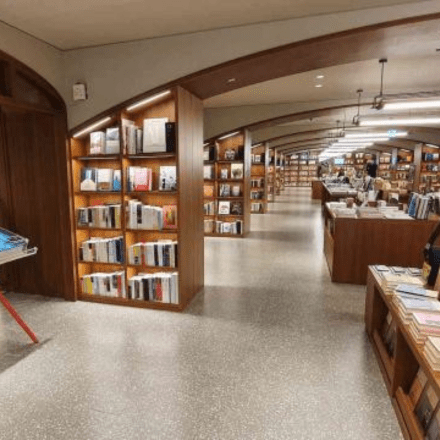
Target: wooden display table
401,367
330,194
352,244
317,190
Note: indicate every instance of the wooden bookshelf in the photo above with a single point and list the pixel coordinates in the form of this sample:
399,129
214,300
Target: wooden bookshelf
186,111
401,363
301,170
280,173
427,174
271,176
259,178
219,171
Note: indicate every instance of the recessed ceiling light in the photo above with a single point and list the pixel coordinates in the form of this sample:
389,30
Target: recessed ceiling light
318,86
319,76
231,80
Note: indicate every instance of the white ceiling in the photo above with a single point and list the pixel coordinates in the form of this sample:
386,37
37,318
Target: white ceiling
339,83
77,23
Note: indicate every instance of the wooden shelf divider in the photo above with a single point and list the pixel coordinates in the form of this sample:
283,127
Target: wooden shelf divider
259,179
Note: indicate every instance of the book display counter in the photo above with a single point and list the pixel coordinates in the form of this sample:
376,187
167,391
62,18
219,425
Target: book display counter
227,185
332,192
259,179
402,322
136,185
355,238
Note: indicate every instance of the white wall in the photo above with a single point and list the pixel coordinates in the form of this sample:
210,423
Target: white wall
117,72
41,57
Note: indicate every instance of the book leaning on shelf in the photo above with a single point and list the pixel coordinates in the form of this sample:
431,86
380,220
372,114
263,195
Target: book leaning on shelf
100,216
157,287
139,179
235,228
105,142
140,216
100,179
104,284
162,253
102,250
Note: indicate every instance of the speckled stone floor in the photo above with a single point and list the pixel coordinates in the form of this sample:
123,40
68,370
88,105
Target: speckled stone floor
271,350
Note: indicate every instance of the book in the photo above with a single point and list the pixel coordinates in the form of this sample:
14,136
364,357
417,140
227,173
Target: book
117,185
208,191
102,250
170,135
139,179
209,226
208,172
128,129
236,191
208,208
416,290
236,208
112,143
157,287
154,135
225,190
110,284
88,179
170,216
97,142
224,173
425,408
224,208
167,178
99,216
237,171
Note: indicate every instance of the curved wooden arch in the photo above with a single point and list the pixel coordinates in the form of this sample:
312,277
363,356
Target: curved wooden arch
410,36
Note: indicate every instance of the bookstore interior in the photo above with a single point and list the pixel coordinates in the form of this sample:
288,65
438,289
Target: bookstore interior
255,197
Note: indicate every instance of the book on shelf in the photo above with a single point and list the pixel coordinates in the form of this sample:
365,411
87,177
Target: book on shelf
433,432
224,207
110,284
100,179
208,191
432,352
157,287
208,172
161,253
417,386
224,173
389,334
209,153
147,217
102,250
237,171
171,141
97,142
236,208
209,208
139,179
209,226
236,191
100,216
257,207
426,406
225,190
154,135
168,178
112,142
235,228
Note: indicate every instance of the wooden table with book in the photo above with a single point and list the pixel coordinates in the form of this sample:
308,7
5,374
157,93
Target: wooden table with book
355,238
402,321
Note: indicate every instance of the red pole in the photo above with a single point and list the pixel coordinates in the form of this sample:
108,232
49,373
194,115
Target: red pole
16,316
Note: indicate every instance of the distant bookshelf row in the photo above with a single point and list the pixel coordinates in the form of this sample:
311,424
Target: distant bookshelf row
227,185
137,226
301,170
259,179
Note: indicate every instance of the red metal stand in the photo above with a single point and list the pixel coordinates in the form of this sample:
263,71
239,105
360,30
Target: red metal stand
17,317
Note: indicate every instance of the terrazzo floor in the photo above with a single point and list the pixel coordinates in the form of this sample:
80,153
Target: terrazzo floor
271,350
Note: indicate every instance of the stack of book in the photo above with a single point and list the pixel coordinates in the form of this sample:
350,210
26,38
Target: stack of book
100,179
432,352
419,206
102,250
158,287
104,284
100,216
105,142
157,136
407,304
424,325
161,253
147,217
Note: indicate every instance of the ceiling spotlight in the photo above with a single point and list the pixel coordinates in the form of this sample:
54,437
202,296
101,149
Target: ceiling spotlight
231,80
319,76
318,85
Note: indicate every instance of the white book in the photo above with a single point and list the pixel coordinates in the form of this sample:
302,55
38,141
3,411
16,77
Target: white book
154,135
174,288
112,142
150,254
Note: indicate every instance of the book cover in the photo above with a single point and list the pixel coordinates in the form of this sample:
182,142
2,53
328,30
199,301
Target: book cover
237,171
170,216
154,134
225,190
88,179
117,180
97,142
224,208
236,191
208,191
105,179
224,173
141,179
167,178
236,208
208,172
170,134
112,143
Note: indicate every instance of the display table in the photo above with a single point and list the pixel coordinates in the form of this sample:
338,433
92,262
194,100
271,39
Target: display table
332,193
352,244
400,368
